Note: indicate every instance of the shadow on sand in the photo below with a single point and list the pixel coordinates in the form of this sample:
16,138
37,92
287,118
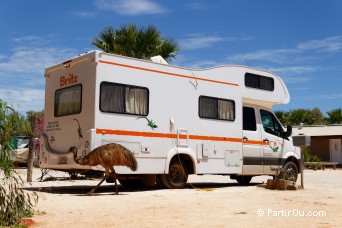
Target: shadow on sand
109,189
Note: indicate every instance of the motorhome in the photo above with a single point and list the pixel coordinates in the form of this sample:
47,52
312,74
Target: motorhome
176,121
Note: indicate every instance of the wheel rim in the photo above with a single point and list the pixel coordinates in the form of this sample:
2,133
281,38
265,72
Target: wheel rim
177,174
291,173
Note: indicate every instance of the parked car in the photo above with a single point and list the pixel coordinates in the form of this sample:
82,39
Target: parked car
19,149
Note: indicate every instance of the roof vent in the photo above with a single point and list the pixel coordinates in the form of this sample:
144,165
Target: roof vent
158,59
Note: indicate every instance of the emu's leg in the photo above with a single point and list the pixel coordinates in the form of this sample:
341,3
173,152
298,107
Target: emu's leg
103,179
116,184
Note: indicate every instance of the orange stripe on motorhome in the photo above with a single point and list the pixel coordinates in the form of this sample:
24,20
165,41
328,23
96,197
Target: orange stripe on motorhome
165,135
255,142
214,138
168,73
135,133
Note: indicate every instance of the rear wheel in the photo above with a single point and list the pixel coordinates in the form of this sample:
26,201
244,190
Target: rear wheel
177,176
159,182
290,172
243,179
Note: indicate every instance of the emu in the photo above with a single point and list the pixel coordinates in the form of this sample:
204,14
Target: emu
107,156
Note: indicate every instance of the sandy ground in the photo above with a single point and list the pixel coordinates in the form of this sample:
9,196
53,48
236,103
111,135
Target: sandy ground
209,201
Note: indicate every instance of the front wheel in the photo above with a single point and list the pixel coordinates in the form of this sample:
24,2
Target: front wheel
290,172
243,180
177,176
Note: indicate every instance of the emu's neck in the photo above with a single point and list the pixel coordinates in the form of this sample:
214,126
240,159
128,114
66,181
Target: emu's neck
79,160
82,160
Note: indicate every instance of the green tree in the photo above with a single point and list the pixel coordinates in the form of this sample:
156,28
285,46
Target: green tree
31,118
142,43
283,117
11,124
298,116
15,203
318,116
334,116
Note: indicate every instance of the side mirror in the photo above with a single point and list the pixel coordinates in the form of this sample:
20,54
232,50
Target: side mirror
288,130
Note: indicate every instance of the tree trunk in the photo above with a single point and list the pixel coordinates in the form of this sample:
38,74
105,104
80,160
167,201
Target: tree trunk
30,155
30,160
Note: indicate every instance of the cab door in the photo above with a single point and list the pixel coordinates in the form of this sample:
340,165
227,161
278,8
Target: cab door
274,145
252,146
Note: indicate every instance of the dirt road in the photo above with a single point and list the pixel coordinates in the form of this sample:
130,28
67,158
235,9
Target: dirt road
209,201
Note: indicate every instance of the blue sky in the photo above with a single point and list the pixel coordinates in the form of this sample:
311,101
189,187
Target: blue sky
300,40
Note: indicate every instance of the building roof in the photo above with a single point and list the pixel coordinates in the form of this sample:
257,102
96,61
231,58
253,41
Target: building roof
320,130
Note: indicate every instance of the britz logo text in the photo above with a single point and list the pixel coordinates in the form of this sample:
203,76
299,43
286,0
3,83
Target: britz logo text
71,79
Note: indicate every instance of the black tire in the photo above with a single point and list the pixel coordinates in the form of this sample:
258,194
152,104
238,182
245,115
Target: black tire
290,172
177,176
159,182
243,180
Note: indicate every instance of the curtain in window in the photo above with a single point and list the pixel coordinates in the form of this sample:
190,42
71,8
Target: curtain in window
225,110
136,101
123,99
208,108
112,98
69,102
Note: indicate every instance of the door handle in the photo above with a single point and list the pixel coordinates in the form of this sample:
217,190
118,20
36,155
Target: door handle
245,138
266,140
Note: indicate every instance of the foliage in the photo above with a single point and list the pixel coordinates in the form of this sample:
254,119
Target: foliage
283,117
14,202
142,43
306,116
308,157
335,116
318,116
37,121
11,124
299,116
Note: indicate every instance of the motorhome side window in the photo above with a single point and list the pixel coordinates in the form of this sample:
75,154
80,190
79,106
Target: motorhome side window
249,121
68,101
270,123
216,108
259,82
125,99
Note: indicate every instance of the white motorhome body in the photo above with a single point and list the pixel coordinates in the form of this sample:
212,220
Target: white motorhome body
210,121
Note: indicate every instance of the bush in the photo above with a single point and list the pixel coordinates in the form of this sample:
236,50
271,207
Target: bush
308,157
14,202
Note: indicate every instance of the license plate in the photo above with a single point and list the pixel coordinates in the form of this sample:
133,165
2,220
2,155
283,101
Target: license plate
63,160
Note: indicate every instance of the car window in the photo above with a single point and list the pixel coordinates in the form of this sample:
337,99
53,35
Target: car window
270,123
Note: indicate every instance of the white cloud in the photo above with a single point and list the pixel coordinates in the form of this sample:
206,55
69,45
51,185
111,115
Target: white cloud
204,64
31,39
197,41
276,55
130,7
299,54
294,70
196,6
201,6
324,96
23,99
329,44
85,14
22,71
31,59
295,80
